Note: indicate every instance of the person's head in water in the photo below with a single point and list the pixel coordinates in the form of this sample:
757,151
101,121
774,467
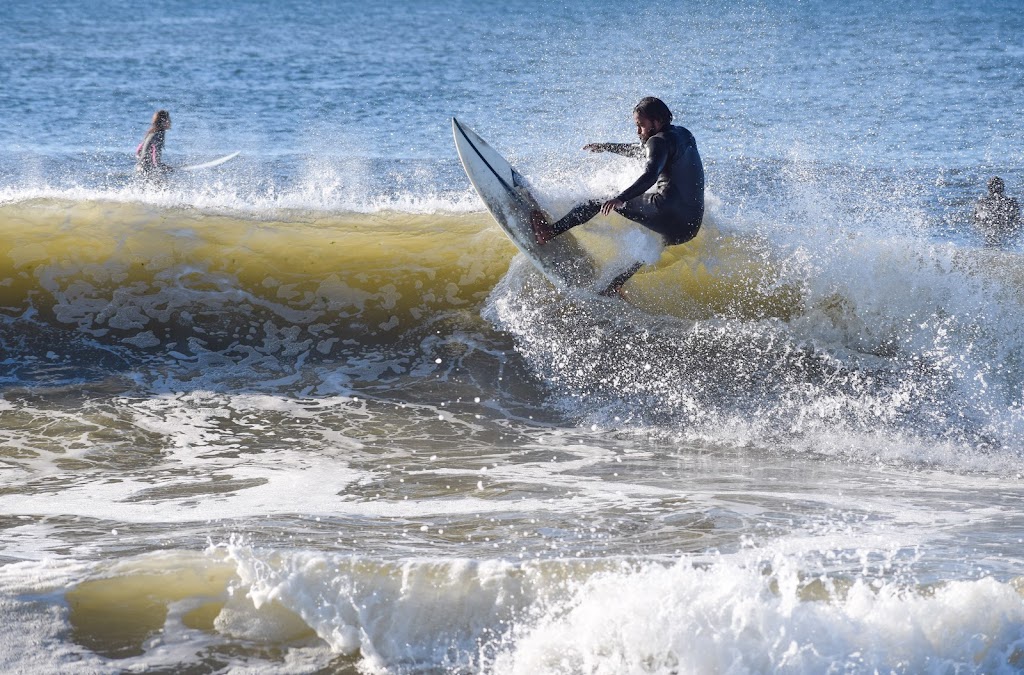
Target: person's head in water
651,116
161,121
996,186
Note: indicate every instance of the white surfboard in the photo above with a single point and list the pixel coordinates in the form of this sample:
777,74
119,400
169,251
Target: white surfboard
507,196
212,163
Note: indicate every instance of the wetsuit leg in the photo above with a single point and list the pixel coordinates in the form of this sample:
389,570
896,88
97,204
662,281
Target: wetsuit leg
620,280
580,214
674,227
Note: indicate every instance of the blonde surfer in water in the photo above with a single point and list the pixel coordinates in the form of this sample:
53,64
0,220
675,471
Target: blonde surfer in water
148,160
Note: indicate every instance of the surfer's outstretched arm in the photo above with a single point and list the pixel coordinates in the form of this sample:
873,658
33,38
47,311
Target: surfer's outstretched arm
634,150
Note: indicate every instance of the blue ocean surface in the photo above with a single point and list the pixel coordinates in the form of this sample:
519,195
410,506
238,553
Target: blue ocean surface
309,411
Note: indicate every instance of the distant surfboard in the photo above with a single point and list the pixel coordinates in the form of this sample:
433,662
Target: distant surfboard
507,196
210,164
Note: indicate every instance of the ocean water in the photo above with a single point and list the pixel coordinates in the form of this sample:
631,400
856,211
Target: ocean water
309,411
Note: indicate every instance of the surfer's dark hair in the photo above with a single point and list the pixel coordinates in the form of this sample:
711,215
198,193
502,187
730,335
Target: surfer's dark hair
996,185
653,109
161,120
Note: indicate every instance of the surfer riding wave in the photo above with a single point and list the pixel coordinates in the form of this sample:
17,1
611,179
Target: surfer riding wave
674,209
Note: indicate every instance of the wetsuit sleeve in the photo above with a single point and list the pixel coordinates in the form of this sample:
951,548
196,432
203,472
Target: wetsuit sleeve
634,150
657,156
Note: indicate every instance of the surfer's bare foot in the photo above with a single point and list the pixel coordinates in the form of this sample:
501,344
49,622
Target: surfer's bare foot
613,291
541,227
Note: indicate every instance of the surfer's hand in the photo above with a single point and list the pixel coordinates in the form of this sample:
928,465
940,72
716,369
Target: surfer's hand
594,147
611,205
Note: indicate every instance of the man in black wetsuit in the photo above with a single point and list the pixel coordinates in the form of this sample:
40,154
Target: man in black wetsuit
674,209
996,215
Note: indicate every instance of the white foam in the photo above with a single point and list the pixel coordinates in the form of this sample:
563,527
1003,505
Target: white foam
771,609
744,612
327,194
733,617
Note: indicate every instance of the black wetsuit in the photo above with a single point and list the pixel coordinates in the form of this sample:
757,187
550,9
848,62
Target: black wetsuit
997,216
149,152
675,208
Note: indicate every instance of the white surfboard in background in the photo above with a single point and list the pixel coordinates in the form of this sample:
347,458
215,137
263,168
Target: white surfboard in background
212,163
